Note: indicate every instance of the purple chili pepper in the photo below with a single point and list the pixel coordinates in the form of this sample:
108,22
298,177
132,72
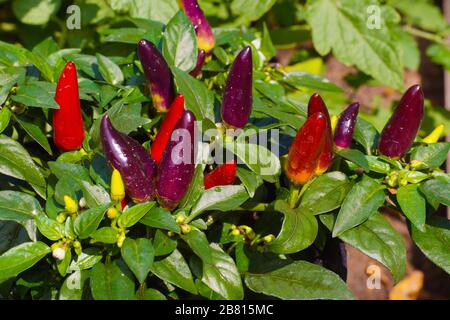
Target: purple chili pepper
343,134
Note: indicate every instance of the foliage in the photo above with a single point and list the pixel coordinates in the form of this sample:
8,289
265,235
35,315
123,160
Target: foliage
230,248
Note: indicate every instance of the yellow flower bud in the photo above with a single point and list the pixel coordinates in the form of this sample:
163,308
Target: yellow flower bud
185,228
180,218
117,186
334,120
269,238
61,217
435,135
112,213
70,204
121,239
235,232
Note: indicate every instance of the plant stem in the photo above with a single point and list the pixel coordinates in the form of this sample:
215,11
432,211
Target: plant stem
425,35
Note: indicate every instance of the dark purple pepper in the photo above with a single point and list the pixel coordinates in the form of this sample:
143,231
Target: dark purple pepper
237,97
176,168
399,133
137,168
343,134
200,61
158,74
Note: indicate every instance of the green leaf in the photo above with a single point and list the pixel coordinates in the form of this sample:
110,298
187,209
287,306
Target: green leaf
435,241
299,229
436,190
132,35
175,270
75,172
198,242
257,158
250,180
153,294
301,79
16,162
267,47
361,202
160,218
222,275
325,193
195,190
18,206
95,195
377,239
413,204
138,255
21,258
163,244
51,229
88,221
366,134
87,259
376,165
109,282
221,198
36,133
433,155
422,13
355,156
249,11
180,43
38,94
5,117
109,70
72,288
439,54
35,12
342,27
299,280
197,97
105,235
132,215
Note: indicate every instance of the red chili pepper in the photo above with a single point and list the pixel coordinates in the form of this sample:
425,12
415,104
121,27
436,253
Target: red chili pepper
167,126
316,104
68,132
223,175
306,148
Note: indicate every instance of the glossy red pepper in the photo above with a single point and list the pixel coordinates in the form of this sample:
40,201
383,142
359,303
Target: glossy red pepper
223,175
166,129
68,132
316,104
399,133
205,35
307,146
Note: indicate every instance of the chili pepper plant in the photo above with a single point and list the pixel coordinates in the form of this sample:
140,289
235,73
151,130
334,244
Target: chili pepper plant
169,155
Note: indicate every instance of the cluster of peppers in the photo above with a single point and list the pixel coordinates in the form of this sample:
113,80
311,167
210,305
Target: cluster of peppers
164,174
311,151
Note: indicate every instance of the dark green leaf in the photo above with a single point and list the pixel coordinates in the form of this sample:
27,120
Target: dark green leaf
433,155
175,270
325,193
18,206
180,43
413,204
377,239
160,218
361,202
355,156
109,282
436,190
299,280
138,255
88,221
132,215
298,231
163,244
435,241
20,258
222,275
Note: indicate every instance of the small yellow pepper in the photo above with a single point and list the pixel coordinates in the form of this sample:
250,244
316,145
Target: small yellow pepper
117,186
434,136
